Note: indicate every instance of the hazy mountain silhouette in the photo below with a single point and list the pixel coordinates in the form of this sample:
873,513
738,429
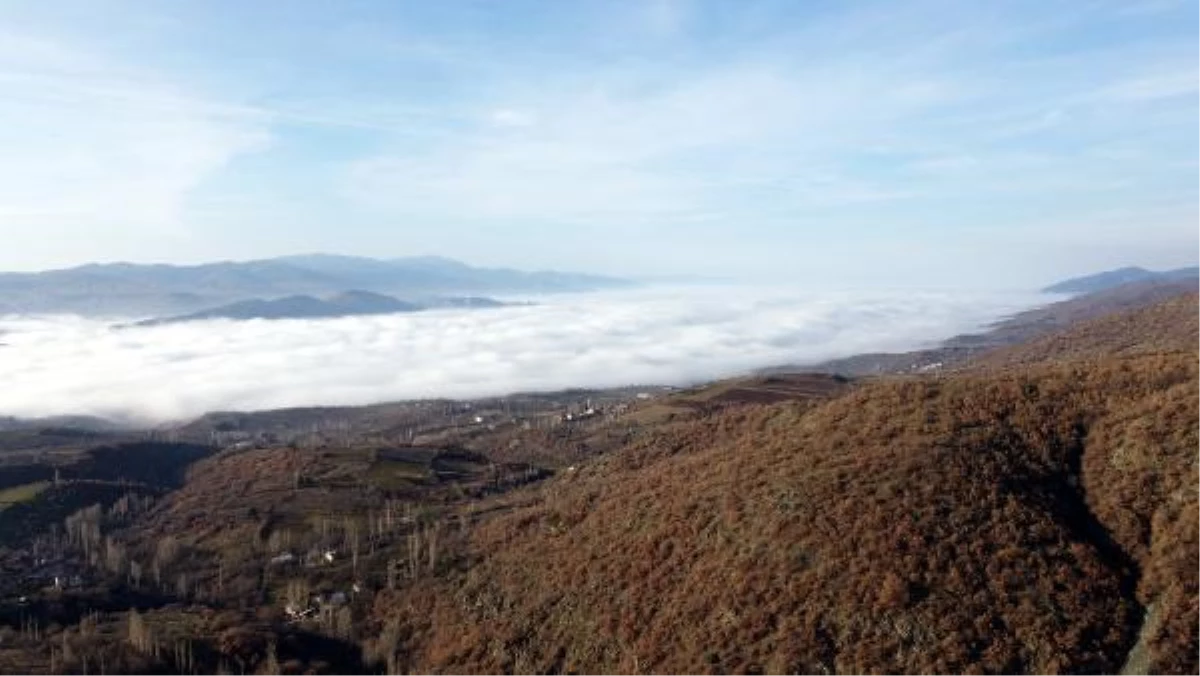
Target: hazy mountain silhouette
297,307
126,288
1113,278
345,304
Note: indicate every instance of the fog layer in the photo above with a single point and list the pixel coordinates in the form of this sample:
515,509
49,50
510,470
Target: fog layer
70,365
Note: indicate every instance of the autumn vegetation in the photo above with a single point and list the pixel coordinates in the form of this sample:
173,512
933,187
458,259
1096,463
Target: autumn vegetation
912,526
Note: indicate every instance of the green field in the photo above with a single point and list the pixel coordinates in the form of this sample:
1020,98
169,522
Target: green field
22,493
391,474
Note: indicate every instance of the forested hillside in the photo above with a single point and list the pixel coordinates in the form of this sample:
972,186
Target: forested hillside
1019,522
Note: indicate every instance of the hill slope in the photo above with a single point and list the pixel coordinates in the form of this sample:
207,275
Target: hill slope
912,526
1016,330
1016,521
1169,325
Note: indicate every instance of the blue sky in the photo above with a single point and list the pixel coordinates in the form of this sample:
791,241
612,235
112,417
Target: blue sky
918,143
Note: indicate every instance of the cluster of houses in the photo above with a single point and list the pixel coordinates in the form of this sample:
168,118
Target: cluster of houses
310,559
316,604
54,573
297,612
573,416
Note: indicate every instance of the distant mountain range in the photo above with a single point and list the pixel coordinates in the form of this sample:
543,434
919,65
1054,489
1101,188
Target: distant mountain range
1114,278
156,290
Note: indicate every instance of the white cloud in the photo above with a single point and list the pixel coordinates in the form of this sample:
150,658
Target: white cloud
60,365
508,117
1144,7
714,138
623,149
1164,84
664,18
91,145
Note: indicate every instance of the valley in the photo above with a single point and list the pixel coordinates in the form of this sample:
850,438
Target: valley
599,337
1025,510
282,511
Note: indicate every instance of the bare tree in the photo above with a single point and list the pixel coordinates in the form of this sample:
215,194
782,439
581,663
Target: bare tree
296,593
431,538
184,657
139,635
272,665
352,540
165,553
414,553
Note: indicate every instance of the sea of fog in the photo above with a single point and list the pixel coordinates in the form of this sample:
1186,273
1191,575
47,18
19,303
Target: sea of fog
51,365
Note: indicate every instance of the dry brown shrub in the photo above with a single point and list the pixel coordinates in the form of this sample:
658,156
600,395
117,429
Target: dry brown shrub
913,525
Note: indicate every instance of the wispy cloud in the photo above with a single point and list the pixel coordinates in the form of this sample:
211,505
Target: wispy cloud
1144,7
615,150
485,130
110,145
1153,87
872,106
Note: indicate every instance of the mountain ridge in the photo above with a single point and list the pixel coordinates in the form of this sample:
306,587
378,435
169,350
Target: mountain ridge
350,303
162,289
354,303
1108,279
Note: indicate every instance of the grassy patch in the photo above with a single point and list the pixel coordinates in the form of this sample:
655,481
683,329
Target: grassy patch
22,493
397,474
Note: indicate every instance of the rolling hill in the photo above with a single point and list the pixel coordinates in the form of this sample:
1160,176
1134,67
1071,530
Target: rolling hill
345,304
1040,518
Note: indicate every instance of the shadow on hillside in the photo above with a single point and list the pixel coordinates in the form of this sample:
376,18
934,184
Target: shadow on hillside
1062,494
69,608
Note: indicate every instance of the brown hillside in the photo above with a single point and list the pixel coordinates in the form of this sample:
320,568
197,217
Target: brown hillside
1171,325
1020,329
953,525
1130,297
